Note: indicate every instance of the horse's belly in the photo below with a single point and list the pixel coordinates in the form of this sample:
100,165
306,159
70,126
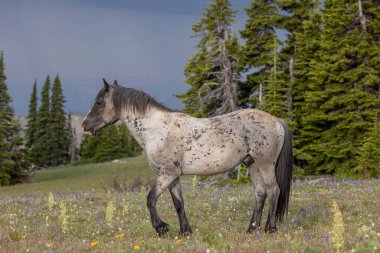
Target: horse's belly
210,164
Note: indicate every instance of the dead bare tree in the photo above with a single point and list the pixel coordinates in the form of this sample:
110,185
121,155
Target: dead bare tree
224,90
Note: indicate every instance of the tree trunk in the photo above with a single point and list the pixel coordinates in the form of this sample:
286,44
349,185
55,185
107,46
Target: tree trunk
362,18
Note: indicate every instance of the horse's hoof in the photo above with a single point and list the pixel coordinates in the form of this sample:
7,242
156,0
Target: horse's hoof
185,233
162,229
251,229
270,230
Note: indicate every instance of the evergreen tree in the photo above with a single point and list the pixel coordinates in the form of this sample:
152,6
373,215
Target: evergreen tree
295,19
59,136
41,152
300,65
276,88
31,127
19,152
342,98
212,73
110,143
258,52
6,116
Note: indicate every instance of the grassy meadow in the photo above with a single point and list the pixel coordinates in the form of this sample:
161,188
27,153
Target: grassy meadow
102,208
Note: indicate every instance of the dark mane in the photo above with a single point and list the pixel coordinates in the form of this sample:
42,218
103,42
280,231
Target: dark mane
134,101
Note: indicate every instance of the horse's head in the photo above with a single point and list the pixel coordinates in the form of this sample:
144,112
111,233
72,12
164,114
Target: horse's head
102,112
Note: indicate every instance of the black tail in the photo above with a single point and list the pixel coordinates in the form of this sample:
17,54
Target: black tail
284,169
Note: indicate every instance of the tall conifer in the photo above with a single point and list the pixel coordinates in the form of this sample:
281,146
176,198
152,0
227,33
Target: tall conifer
31,126
258,51
41,153
342,102
59,140
6,117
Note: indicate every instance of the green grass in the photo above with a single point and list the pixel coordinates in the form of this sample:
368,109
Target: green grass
83,177
32,217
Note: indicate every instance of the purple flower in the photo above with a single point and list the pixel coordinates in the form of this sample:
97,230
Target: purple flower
327,236
258,236
100,220
309,236
303,212
296,221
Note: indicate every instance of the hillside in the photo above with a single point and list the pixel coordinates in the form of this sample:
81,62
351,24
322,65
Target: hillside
75,209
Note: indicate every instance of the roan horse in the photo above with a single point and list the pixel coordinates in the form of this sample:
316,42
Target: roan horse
178,144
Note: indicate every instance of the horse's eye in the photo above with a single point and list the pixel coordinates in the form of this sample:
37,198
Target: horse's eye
98,103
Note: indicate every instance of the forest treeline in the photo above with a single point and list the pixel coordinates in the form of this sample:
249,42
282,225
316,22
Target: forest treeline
323,79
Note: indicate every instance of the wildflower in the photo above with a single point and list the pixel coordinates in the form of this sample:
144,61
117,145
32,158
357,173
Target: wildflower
109,212
136,247
258,236
120,236
309,236
51,201
194,182
125,210
23,237
179,241
63,217
338,227
94,243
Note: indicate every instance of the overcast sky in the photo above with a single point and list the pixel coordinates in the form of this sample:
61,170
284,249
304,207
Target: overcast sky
143,44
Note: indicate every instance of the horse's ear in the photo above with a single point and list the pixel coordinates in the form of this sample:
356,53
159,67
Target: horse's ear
115,83
106,85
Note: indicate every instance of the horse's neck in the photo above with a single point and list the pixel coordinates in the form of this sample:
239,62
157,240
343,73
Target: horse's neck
140,126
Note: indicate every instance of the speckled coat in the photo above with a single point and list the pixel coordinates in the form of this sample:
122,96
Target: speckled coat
178,144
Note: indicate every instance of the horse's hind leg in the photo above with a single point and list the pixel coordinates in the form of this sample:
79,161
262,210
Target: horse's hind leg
260,196
163,181
176,192
273,190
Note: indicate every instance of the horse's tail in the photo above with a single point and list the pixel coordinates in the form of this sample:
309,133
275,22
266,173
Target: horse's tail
284,169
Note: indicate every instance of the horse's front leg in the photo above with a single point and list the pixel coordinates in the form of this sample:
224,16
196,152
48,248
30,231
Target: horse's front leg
163,181
176,192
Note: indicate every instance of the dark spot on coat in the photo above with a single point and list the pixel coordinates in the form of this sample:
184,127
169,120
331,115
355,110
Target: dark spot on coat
176,163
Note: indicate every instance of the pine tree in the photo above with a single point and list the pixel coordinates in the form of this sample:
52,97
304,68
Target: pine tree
41,152
59,136
110,143
6,117
258,52
31,127
295,19
19,152
212,73
342,101
276,88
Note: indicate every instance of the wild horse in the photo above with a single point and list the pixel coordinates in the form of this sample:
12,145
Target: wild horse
178,144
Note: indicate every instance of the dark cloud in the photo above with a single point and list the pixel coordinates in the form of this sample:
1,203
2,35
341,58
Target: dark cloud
144,44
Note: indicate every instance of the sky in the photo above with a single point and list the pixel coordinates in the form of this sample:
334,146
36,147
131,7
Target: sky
143,44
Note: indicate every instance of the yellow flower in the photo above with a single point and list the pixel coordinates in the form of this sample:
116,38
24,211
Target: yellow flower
136,247
23,237
179,241
94,243
119,236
